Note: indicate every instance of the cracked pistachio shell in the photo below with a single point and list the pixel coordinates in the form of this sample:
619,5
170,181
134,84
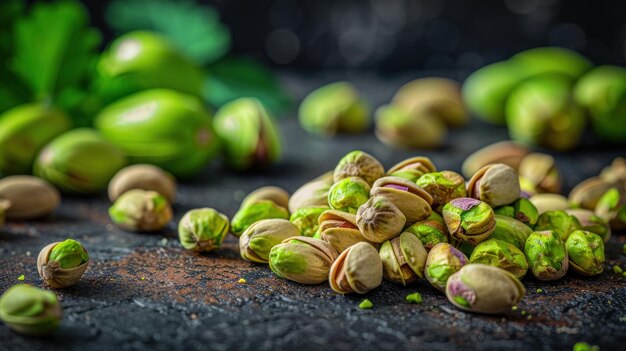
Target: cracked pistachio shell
506,152
202,229
340,230
430,231
61,264
549,202
522,210
484,289
273,193
141,210
416,130
4,206
469,220
313,193
79,161
501,254
145,177
587,193
358,269
307,219
257,241
559,221
410,199
30,197
358,164
541,171
586,252
29,310
348,194
334,108
404,259
248,133
443,260
612,207
496,184
262,209
511,230
412,168
592,222
24,131
546,255
302,259
379,219
442,186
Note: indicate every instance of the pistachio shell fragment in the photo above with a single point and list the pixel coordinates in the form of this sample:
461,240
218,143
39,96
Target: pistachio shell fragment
511,230
443,260
410,199
430,231
412,168
358,269
61,264
340,230
307,219
469,220
348,194
29,310
262,209
501,254
540,169
302,259
403,259
257,241
202,229
558,221
313,193
496,184
141,210
29,197
546,255
145,177
359,164
379,219
275,194
586,252
442,186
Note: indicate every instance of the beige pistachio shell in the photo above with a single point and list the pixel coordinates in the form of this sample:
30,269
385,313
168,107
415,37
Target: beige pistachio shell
339,229
145,177
379,219
4,206
412,200
302,259
540,169
257,240
505,152
55,276
419,163
404,259
358,164
358,269
313,193
496,184
278,195
549,202
30,197
587,193
616,172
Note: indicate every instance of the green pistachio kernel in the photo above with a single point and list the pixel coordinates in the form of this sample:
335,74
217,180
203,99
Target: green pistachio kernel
617,269
414,298
306,219
256,242
29,310
69,254
522,210
511,231
348,194
202,229
501,254
611,207
469,220
264,209
546,255
442,186
583,346
430,231
366,304
559,221
586,252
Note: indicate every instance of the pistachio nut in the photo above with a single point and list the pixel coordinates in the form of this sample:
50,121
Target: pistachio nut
412,168
511,230
501,254
416,130
202,229
540,169
4,206
24,131
358,269
506,152
549,202
302,259
379,219
586,252
430,231
612,208
559,221
522,209
615,173
79,161
484,289
257,241
592,222
359,164
248,133
262,209
442,186
412,200
334,108
546,255
469,220
587,193
558,60
340,230
527,188
348,194
275,194
443,260
306,219
404,259
30,197
141,210
61,264
313,193
29,310
496,184
145,177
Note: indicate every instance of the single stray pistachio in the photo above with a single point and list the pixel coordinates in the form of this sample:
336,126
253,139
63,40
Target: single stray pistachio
348,194
540,169
262,209
546,255
30,197
202,229
496,184
273,193
61,264
558,221
586,252
410,199
612,208
469,220
442,186
415,130
340,230
501,254
506,152
511,230
302,259
430,231
412,168
29,310
307,219
404,259
359,164
358,269
443,260
549,202
592,222
257,241
141,210
522,210
484,289
587,193
379,219
313,193
145,177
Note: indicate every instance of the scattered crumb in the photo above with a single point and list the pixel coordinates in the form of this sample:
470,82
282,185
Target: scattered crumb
514,308
617,269
193,316
523,313
242,281
414,298
143,278
529,317
21,278
28,253
539,291
366,304
583,346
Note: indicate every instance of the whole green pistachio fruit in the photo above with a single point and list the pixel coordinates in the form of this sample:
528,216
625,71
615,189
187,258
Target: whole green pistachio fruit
358,164
501,254
511,230
549,202
587,193
30,197
404,259
546,255
430,231
340,230
202,229
313,193
412,130
443,260
496,184
379,219
29,310
24,131
559,221
261,209
145,177
413,201
348,194
79,161
61,264
276,194
358,269
506,152
442,186
257,241
248,133
306,219
522,210
612,208
412,168
302,259
469,220
484,289
559,60
161,127
591,222
586,252
541,171
334,108
141,211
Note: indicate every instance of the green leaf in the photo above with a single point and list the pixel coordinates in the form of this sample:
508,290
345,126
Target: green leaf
12,89
194,29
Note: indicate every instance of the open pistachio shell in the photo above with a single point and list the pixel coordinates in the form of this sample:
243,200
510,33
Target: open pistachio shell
313,193
257,241
202,229
546,254
443,260
587,193
501,254
348,194
404,258
262,209
145,177
358,269
549,202
496,184
307,219
558,221
275,194
506,152
540,169
522,210
412,200
511,230
469,220
592,222
61,264
29,310
412,168
141,210
442,186
359,164
302,259
340,230
30,197
379,219
430,231
586,252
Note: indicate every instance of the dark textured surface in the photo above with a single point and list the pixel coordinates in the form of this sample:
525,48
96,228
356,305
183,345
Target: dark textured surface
143,292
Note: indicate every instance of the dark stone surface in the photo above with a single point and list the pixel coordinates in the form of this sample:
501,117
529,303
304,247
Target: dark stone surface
144,292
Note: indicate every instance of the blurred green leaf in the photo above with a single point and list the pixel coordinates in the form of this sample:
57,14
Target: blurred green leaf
194,29
12,89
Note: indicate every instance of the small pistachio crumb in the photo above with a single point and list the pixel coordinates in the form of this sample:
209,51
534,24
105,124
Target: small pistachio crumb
539,291
617,269
143,278
523,313
529,317
414,298
514,308
242,281
21,278
583,346
366,304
